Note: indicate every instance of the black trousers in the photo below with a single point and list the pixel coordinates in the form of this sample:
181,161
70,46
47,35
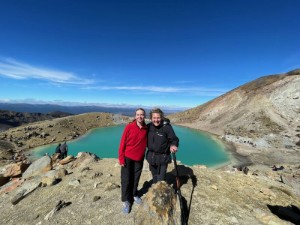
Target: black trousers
63,155
130,177
158,172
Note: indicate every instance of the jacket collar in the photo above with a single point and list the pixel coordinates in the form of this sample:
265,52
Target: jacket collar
143,125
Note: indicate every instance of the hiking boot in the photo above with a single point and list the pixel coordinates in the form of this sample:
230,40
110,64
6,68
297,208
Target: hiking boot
137,200
126,207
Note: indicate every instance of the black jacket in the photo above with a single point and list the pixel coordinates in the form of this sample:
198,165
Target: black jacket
57,150
161,138
64,148
159,141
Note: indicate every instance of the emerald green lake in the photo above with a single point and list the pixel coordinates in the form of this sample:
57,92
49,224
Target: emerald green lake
195,147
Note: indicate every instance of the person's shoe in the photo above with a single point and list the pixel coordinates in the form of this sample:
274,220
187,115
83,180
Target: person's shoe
137,200
126,207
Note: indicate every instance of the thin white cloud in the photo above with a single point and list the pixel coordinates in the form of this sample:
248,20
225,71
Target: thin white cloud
18,70
165,89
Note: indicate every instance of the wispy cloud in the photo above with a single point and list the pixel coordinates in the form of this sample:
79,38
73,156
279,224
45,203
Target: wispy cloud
18,70
165,89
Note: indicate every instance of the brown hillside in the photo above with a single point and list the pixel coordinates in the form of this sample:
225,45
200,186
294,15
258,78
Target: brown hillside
9,119
262,114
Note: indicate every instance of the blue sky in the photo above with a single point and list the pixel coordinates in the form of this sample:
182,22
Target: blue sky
165,53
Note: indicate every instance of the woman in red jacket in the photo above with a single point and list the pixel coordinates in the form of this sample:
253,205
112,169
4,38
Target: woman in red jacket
131,157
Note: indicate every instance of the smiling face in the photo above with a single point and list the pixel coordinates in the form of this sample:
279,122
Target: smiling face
156,119
140,116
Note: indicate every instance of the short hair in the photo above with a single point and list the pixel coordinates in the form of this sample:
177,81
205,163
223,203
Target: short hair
159,111
141,110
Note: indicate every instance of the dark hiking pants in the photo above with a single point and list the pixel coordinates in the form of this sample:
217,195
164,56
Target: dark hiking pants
130,176
63,155
158,172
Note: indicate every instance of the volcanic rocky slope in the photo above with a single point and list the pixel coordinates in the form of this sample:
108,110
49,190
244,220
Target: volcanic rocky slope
260,116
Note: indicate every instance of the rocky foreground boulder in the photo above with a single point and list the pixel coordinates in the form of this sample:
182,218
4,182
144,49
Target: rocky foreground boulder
159,206
86,190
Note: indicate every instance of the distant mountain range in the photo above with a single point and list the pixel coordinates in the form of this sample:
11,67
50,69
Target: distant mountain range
10,119
16,114
48,108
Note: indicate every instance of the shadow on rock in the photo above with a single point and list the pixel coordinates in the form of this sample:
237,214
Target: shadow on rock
145,188
184,174
288,213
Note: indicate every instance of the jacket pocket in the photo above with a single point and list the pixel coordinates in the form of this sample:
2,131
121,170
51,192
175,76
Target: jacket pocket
157,159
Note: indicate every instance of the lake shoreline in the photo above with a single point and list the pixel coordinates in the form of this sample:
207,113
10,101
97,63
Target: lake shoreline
236,159
218,147
72,128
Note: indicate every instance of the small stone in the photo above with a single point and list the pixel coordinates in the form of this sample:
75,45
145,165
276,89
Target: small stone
48,181
214,187
74,182
234,220
82,197
268,192
96,198
85,169
111,186
98,174
96,184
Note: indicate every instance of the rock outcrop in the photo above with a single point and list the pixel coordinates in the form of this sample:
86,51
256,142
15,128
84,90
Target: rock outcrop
159,206
38,167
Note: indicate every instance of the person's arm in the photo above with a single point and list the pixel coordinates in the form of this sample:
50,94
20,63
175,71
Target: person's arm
173,140
122,147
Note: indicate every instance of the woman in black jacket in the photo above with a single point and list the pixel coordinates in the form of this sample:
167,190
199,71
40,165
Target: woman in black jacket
161,142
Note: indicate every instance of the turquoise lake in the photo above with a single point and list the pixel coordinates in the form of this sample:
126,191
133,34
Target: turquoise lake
195,147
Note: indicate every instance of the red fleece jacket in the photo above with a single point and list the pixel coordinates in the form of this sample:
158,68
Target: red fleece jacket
133,142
